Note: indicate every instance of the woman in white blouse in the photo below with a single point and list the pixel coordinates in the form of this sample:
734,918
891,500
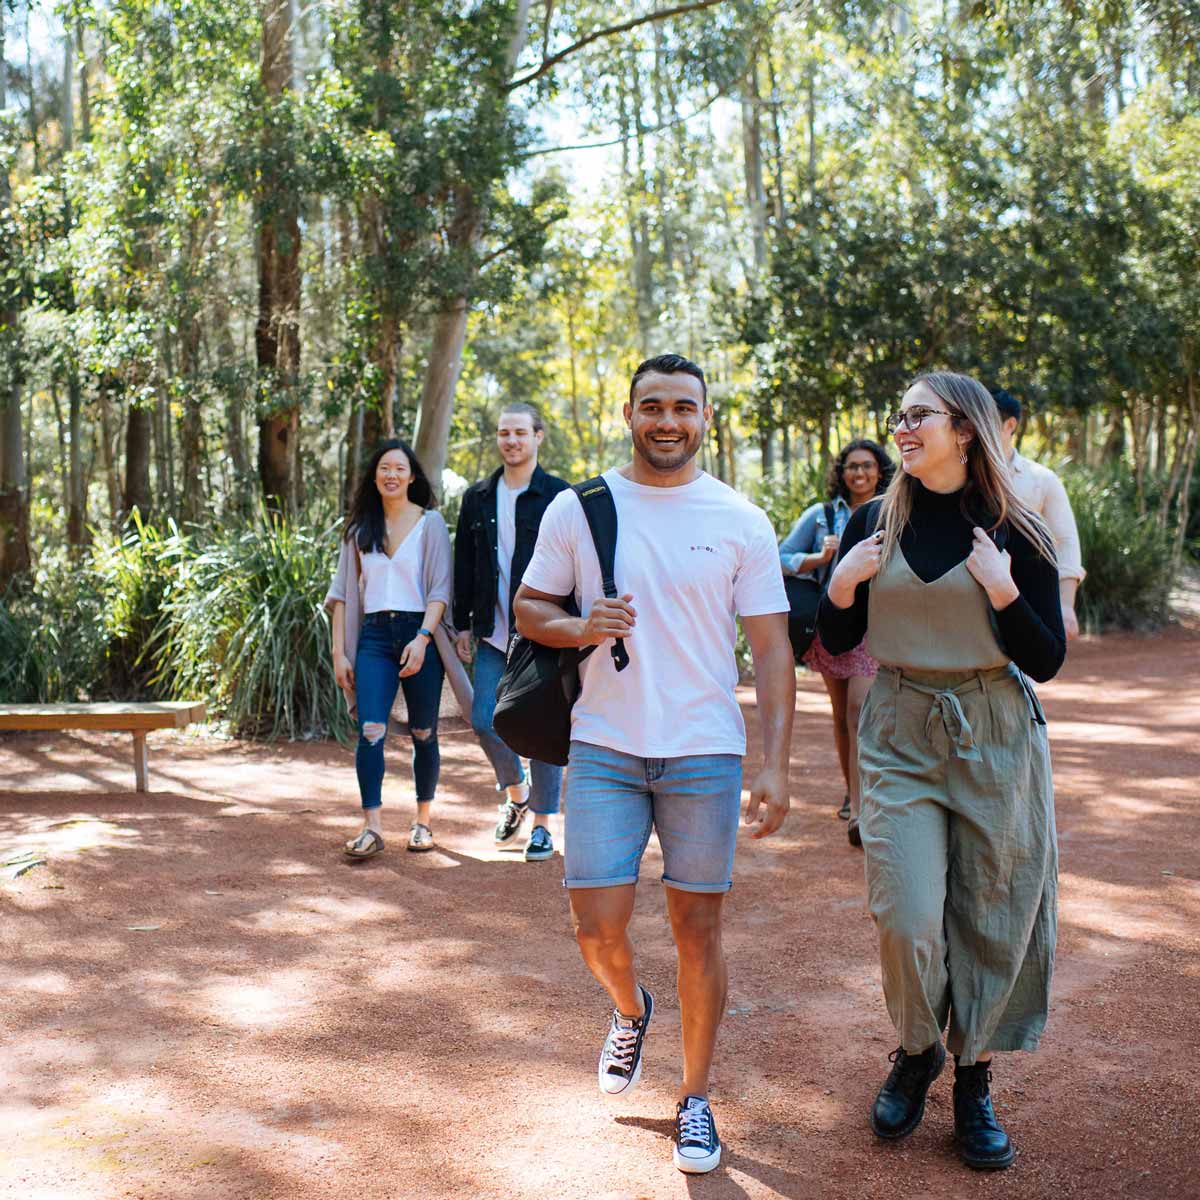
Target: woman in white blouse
390,592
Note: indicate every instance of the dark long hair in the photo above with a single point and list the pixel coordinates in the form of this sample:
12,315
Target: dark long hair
835,483
365,521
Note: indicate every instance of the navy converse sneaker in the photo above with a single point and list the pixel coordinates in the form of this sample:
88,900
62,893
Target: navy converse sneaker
621,1059
697,1147
540,845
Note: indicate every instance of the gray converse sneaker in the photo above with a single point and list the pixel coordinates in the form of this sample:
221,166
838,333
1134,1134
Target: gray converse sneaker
697,1147
621,1059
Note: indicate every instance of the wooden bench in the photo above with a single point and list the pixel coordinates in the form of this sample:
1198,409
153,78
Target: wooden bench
137,719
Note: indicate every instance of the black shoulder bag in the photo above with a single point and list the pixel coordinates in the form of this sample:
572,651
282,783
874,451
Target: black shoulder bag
541,683
804,596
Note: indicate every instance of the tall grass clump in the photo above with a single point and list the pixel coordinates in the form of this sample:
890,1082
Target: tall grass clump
243,625
1127,556
53,634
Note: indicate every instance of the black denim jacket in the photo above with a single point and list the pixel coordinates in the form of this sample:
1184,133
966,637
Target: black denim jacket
475,555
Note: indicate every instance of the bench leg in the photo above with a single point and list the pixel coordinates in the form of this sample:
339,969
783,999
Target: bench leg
140,762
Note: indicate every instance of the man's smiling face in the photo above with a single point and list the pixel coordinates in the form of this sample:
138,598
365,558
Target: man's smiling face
667,417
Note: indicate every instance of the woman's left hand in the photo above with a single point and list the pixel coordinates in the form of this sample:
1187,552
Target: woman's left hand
412,657
992,570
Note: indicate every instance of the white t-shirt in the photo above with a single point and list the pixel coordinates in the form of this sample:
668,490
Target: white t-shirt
693,558
506,543
395,583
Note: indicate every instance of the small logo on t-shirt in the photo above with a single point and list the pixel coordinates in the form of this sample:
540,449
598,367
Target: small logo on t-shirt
710,549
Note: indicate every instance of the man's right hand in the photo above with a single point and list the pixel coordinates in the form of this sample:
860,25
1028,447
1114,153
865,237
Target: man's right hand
464,646
608,619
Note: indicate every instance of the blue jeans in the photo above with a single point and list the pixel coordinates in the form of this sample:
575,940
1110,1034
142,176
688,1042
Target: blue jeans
615,799
376,677
546,780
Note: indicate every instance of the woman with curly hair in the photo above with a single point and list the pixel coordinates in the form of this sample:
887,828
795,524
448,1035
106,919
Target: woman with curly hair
860,472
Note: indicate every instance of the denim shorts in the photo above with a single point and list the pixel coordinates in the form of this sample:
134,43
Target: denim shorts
613,801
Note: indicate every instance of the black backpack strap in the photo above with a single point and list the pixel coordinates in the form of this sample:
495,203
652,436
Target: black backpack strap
601,514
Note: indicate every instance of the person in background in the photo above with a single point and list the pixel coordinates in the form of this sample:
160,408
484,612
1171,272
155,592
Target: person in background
1040,489
860,472
497,529
388,596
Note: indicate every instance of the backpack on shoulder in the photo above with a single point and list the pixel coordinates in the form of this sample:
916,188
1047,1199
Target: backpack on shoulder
540,684
804,598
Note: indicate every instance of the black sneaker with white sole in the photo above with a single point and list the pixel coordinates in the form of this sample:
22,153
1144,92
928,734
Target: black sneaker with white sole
509,821
697,1147
621,1059
540,845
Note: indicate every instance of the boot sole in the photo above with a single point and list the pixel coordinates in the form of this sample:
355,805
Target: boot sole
986,1164
895,1135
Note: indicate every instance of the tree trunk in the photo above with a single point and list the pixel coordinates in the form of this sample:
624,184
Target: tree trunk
108,451
14,502
138,433
191,434
277,331
76,488
756,197
441,378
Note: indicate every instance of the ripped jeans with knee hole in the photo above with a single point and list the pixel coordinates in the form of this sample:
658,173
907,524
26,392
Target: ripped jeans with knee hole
377,676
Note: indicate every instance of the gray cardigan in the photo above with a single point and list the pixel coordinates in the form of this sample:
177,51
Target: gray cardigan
347,587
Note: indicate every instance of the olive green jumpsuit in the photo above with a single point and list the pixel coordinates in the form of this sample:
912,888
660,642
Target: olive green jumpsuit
957,819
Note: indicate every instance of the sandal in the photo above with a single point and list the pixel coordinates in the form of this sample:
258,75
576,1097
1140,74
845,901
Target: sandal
421,837
366,845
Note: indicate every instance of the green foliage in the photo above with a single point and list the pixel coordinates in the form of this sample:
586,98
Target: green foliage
784,500
237,620
1127,557
243,624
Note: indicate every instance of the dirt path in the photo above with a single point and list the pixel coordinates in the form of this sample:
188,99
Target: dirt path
295,1027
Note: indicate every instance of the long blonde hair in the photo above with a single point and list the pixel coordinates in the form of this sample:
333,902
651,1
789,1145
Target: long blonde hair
989,488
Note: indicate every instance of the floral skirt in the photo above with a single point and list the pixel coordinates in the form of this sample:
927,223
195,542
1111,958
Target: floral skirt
856,662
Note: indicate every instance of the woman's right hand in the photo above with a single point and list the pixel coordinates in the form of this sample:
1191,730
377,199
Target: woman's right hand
860,563
343,671
829,548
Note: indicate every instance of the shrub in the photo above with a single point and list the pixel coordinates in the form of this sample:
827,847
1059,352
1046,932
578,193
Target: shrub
243,624
53,638
783,502
1126,556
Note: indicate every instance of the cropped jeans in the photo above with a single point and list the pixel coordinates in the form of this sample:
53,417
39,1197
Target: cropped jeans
546,778
377,676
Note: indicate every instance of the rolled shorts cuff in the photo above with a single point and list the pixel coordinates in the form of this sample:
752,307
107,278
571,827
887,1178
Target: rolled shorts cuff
617,881
711,889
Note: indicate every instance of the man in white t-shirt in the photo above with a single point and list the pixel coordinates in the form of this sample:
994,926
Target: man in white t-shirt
1042,490
659,745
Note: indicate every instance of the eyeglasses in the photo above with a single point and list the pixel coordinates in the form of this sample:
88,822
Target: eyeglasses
865,468
911,418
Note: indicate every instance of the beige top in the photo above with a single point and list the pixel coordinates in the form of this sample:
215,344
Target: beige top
940,626
1040,489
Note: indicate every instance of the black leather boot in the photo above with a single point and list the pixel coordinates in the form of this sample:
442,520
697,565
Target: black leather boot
900,1105
982,1144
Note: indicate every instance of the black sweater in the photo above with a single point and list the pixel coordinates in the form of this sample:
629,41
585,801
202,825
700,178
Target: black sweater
936,539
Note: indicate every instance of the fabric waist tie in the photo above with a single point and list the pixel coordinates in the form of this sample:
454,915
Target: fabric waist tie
946,709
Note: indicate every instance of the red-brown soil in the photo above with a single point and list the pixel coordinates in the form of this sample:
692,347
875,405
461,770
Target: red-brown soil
297,1026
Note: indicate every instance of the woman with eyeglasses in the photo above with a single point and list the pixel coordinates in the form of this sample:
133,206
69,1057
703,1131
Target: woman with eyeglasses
860,472
954,583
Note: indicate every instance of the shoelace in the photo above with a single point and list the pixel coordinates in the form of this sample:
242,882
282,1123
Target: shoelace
622,1043
906,1074
693,1125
